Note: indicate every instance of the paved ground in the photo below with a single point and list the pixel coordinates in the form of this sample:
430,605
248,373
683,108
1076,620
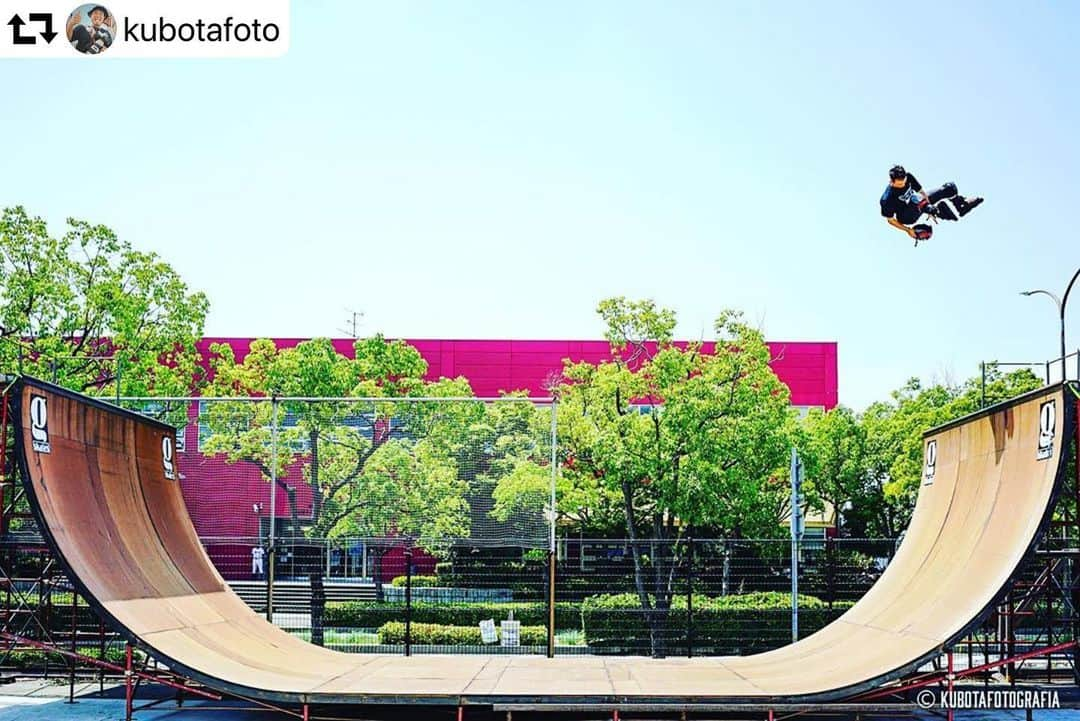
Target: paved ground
37,700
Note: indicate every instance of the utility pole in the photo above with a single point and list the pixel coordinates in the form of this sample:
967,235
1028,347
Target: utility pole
1061,304
796,537
353,323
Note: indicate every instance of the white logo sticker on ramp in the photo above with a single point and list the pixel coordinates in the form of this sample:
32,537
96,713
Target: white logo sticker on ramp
167,458
930,465
1047,426
39,424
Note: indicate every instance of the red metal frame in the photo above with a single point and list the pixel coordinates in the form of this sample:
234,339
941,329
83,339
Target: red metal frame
129,689
3,463
950,676
127,670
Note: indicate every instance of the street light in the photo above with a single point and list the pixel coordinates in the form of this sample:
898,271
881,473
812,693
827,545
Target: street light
1061,303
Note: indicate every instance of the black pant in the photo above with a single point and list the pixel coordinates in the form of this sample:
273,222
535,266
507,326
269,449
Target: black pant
943,193
81,37
943,210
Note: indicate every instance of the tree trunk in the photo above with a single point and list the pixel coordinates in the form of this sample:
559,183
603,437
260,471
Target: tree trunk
316,490
639,572
290,494
376,573
725,577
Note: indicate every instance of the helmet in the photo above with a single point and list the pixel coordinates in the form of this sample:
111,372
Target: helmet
897,172
923,232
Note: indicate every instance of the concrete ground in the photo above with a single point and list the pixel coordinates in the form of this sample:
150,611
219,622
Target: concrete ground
47,700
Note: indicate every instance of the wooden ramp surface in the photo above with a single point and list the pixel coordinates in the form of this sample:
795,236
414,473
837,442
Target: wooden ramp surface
102,483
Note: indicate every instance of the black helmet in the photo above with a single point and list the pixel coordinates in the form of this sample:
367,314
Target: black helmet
897,172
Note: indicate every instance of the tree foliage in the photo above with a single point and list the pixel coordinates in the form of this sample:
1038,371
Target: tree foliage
676,438
376,467
869,465
92,312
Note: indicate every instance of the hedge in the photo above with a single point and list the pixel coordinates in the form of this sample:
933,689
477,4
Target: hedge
24,659
737,624
369,614
417,581
432,634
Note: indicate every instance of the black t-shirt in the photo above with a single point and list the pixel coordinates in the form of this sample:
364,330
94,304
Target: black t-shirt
902,202
92,40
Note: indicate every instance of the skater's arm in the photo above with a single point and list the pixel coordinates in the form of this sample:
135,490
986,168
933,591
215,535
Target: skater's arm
900,226
73,19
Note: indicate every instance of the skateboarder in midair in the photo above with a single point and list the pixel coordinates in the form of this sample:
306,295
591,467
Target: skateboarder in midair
904,202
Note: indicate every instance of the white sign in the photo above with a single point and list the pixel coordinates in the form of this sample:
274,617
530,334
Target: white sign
167,457
930,463
487,631
39,424
510,633
1047,429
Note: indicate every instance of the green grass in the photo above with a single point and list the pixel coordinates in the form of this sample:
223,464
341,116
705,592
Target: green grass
350,637
570,638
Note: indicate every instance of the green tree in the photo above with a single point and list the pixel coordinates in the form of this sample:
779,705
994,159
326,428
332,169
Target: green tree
890,434
374,468
684,439
89,310
833,449
517,475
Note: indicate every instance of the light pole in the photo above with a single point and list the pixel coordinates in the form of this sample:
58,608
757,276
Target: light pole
1061,303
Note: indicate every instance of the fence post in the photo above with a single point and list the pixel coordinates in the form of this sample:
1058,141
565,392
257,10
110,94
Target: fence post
318,608
982,384
690,597
272,555
830,570
74,642
101,655
796,536
551,604
408,600
553,516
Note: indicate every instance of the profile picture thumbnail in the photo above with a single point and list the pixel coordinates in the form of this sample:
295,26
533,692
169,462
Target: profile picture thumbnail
91,29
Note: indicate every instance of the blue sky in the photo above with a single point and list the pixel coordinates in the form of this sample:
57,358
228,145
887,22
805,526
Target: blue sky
493,169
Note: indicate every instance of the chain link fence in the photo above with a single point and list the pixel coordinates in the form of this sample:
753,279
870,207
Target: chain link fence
413,526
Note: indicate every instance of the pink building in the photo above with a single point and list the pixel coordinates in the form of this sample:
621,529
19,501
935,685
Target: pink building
231,500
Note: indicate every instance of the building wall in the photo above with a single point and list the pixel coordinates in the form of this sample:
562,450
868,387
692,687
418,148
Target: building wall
808,368
220,497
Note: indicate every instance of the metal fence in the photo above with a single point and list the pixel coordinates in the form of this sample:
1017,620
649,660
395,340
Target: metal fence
377,526
687,597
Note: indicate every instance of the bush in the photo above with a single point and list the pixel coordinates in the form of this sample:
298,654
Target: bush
34,659
368,614
725,625
439,635
417,581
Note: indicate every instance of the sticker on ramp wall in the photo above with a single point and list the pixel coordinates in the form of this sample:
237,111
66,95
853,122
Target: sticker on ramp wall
39,424
1047,424
930,464
167,456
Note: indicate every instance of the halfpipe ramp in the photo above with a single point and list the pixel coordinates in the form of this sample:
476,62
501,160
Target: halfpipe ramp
102,483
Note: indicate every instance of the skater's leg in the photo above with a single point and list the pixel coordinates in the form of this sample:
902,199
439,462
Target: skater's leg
944,211
944,192
965,205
